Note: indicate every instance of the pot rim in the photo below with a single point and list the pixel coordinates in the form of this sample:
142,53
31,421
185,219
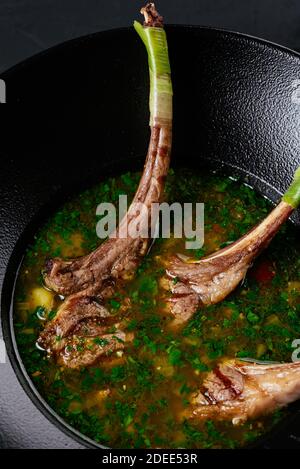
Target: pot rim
127,29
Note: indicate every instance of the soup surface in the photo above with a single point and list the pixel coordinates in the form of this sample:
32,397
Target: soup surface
139,398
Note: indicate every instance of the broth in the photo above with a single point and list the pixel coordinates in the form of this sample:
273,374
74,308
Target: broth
139,399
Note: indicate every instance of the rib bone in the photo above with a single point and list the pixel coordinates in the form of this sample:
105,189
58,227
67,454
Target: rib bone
89,280
212,278
237,391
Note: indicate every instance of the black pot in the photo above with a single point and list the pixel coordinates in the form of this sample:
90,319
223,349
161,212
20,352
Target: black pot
83,116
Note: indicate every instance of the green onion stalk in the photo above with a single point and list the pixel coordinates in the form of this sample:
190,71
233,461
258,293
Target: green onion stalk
289,202
292,195
154,37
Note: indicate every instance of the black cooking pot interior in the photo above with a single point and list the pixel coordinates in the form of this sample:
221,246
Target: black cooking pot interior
84,116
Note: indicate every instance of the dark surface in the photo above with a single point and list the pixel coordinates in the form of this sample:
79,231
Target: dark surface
88,116
30,26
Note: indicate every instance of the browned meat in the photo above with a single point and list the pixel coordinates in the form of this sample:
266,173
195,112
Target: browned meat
79,334
211,279
78,352
238,391
184,302
92,278
75,313
120,253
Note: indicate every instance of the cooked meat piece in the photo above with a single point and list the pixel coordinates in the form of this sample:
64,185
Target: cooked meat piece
120,253
212,278
79,335
78,353
76,311
92,278
238,391
97,273
184,302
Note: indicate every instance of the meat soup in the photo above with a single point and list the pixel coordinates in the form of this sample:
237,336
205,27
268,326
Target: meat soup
141,388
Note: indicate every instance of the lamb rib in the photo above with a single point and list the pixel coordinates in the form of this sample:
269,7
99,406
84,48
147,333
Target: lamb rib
90,279
120,252
238,391
211,279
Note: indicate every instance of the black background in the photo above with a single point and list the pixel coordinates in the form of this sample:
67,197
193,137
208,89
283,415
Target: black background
29,26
